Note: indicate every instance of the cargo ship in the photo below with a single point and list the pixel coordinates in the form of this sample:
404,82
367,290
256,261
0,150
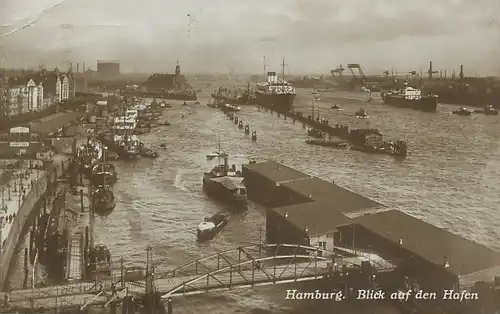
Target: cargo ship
225,95
275,94
409,97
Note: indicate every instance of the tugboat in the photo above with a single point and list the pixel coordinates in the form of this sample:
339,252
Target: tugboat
240,125
103,173
104,201
127,147
487,110
225,184
463,111
314,133
247,129
208,228
410,97
100,262
254,136
361,114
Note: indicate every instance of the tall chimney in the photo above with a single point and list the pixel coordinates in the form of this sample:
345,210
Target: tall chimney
430,70
78,67
461,72
83,67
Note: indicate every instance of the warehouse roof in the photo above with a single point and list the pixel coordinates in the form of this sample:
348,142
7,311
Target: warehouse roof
53,122
342,199
430,242
275,171
320,218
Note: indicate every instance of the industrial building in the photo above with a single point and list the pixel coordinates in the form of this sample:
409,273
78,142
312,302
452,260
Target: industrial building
302,209
421,249
262,181
108,68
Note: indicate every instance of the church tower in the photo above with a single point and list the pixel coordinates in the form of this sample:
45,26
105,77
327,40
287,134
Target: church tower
177,69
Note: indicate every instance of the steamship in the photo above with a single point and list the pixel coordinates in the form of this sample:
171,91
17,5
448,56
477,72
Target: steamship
409,97
275,94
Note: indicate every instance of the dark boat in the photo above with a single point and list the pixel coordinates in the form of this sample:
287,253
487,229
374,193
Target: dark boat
100,262
410,97
277,95
208,228
329,143
104,201
127,147
314,133
462,112
488,110
103,174
335,107
225,184
148,152
361,114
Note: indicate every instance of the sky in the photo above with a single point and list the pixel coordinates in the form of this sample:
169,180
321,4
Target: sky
220,36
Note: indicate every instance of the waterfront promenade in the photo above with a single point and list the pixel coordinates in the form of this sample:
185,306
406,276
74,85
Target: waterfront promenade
27,187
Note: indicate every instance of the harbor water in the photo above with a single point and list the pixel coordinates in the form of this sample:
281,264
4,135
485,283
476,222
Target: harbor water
450,179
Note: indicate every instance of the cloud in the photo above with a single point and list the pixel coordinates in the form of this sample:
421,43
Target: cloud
209,35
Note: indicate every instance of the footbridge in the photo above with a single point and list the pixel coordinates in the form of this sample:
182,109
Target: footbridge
241,267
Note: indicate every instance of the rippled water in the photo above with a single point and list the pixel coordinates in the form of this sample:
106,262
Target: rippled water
450,179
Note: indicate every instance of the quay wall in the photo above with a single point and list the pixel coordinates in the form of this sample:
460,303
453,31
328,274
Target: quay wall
35,194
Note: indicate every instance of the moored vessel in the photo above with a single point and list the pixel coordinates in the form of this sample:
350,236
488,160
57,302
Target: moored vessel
463,111
103,174
104,200
275,94
487,110
225,183
409,97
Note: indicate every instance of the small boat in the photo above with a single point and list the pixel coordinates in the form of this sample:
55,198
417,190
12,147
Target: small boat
208,228
184,104
148,152
196,102
361,114
314,133
247,129
240,125
104,201
163,145
164,123
463,111
487,110
329,143
335,107
230,108
216,155
254,136
103,173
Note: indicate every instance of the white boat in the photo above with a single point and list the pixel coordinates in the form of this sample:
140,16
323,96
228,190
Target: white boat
208,228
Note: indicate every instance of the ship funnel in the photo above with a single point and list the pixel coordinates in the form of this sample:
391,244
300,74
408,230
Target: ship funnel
272,77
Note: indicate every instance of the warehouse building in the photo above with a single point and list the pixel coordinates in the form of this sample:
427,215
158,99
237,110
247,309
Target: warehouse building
436,256
262,182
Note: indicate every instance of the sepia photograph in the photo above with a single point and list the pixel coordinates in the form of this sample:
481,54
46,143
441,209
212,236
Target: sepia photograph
253,157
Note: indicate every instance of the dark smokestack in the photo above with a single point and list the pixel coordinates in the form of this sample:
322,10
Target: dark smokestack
461,72
430,70
83,68
78,67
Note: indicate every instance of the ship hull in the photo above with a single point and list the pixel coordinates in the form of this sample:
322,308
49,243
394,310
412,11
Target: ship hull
427,104
276,102
233,100
122,152
221,193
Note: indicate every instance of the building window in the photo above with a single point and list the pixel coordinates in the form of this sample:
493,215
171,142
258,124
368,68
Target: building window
322,245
